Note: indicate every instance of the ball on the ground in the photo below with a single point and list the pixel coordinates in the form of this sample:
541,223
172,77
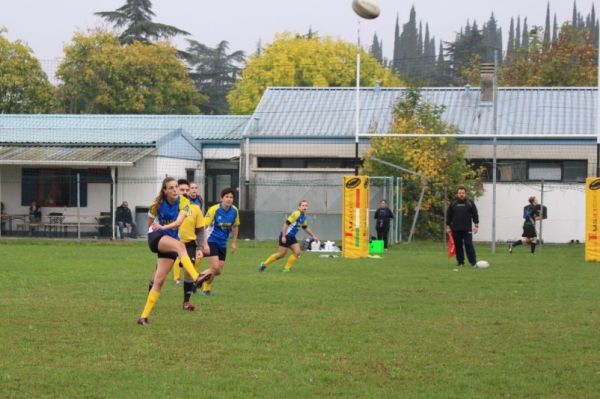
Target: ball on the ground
482,264
368,9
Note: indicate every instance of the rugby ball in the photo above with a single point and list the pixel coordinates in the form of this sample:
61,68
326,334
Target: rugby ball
482,264
368,9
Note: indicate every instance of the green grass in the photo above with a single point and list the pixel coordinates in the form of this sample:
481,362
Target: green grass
405,326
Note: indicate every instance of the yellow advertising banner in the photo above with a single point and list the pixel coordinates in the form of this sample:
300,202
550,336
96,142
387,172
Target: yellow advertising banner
592,219
355,217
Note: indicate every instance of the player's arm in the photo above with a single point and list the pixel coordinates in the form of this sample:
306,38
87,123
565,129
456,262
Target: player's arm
310,233
234,236
284,229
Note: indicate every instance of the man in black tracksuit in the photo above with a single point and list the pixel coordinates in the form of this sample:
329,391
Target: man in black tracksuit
461,215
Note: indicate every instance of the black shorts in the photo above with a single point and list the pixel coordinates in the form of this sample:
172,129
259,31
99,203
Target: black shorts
190,247
289,241
216,250
153,239
529,231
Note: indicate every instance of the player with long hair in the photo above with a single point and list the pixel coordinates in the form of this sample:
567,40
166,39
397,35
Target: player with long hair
167,212
287,238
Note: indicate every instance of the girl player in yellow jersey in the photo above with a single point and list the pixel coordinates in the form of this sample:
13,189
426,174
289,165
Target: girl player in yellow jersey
167,212
287,238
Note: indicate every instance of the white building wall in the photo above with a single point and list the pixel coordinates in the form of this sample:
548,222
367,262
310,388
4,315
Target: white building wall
566,211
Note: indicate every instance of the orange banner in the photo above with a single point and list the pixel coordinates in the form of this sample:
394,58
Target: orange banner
592,219
355,217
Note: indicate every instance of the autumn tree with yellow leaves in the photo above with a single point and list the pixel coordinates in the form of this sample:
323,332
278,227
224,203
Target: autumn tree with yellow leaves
441,159
100,75
302,61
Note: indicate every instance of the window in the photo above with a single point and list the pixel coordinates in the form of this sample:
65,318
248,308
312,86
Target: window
303,163
190,175
508,170
58,187
545,170
574,171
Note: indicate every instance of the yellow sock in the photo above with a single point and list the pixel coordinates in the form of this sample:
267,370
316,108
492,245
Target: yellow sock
206,286
176,271
290,262
150,302
270,260
189,267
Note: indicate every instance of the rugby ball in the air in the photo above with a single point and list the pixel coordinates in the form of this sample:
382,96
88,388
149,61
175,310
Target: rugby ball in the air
482,264
368,9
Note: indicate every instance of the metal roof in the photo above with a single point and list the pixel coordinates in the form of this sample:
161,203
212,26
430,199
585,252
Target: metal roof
73,156
330,112
116,129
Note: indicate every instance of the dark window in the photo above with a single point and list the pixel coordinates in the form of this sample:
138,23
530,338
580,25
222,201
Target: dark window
574,171
303,163
58,187
508,170
190,175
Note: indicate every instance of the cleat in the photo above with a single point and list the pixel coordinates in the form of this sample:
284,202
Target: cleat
510,248
178,281
286,270
459,265
262,267
143,321
206,293
201,279
189,306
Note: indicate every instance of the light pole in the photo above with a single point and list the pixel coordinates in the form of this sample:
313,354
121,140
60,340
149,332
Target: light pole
357,116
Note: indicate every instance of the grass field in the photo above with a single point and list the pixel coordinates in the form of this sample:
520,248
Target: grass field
405,326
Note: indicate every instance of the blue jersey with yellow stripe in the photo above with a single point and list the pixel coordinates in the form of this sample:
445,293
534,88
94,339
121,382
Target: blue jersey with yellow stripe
168,213
219,222
295,220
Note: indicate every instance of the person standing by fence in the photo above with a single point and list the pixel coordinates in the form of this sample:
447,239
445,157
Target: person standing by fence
383,215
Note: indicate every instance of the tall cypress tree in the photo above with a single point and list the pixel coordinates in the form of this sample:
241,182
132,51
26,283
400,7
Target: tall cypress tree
510,46
546,42
376,49
396,53
525,39
518,34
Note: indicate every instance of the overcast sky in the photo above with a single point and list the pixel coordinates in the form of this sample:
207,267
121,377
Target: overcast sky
48,25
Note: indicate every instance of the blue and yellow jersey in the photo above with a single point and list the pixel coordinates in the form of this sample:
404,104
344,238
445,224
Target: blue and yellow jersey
195,220
197,201
168,213
295,220
219,223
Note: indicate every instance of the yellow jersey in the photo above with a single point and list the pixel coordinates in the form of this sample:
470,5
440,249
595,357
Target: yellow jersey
195,220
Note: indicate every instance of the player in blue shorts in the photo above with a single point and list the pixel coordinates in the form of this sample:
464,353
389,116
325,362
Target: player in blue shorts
287,238
219,220
166,214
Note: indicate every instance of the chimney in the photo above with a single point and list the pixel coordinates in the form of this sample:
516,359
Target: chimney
487,81
377,86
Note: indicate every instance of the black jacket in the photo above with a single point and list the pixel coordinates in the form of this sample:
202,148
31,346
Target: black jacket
123,215
461,215
382,217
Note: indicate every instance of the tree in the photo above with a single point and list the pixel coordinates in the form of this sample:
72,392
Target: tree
570,61
440,159
135,18
377,49
101,76
24,87
299,61
214,73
